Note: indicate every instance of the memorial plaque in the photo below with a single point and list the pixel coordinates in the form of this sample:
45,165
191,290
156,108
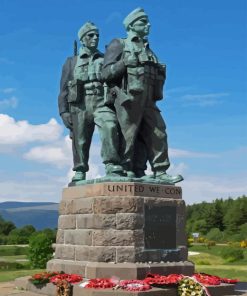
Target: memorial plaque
123,189
160,227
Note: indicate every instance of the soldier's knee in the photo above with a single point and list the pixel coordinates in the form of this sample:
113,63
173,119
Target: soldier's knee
109,125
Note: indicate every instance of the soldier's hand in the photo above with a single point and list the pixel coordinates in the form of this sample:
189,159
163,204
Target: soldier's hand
130,60
66,117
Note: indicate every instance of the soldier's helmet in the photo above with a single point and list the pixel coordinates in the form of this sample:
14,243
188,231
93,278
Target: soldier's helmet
135,15
87,27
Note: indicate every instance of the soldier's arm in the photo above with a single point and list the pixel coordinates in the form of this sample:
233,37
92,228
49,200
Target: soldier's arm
113,67
63,104
63,94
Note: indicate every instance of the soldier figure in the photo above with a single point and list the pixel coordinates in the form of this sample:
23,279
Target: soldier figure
81,106
135,79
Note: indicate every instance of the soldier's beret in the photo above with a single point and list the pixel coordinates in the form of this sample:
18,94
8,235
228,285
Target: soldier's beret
134,16
88,26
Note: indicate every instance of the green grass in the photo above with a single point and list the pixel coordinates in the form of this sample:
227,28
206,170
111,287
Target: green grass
232,271
6,276
13,258
210,261
13,250
216,251
206,259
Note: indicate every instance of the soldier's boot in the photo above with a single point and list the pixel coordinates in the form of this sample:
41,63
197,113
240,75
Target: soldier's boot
79,176
130,174
112,170
164,177
140,173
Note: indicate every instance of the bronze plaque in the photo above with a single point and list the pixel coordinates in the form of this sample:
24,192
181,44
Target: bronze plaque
160,227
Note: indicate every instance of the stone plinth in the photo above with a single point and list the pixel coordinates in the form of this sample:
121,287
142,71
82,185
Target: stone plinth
50,290
122,229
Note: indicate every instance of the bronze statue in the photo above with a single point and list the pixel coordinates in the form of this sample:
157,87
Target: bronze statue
135,78
81,106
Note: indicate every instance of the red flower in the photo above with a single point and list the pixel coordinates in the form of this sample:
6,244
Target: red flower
134,285
71,278
161,280
228,281
100,283
209,280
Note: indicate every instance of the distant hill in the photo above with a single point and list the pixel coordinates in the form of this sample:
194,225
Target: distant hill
39,214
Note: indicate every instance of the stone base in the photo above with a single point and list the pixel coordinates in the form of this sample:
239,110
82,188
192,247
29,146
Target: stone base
122,222
124,271
50,290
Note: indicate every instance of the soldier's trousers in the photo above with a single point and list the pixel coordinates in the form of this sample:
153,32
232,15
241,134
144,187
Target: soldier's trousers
142,117
85,115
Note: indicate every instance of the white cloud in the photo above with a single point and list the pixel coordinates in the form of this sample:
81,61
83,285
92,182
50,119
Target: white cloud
203,100
189,154
177,90
31,190
11,102
22,132
58,153
177,169
207,188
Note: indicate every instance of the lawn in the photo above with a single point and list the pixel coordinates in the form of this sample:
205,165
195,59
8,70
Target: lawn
210,261
10,275
13,263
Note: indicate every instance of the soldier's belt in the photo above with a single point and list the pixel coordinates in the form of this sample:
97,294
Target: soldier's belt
93,84
95,91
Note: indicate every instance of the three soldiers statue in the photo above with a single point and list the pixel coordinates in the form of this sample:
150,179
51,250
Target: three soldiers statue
117,93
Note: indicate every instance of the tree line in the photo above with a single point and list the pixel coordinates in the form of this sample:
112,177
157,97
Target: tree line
11,235
220,220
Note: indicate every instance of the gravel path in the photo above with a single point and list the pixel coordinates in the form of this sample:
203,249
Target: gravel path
8,288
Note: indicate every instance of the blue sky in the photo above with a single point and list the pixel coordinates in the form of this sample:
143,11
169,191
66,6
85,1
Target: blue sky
203,44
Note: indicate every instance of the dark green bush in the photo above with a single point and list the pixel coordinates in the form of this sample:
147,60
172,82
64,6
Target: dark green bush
232,254
40,250
215,235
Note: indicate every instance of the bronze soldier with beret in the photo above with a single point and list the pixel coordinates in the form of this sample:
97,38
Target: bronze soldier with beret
135,78
81,106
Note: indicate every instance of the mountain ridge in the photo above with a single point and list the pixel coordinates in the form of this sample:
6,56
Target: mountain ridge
39,214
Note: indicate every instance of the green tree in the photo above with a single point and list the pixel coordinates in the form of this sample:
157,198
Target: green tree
215,234
40,250
236,215
21,235
51,233
6,226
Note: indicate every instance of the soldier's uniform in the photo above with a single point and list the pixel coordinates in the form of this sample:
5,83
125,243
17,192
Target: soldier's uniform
135,78
82,95
135,90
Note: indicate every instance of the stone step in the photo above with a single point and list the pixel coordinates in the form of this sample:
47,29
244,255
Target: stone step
50,290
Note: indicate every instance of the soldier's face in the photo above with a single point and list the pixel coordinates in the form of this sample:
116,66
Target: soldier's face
141,27
91,39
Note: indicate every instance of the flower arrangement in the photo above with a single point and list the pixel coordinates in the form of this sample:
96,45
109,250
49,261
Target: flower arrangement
188,286
196,285
134,285
70,278
42,278
100,283
160,281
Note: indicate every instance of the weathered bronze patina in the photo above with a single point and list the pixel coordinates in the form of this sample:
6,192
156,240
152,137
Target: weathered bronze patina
117,93
81,106
135,78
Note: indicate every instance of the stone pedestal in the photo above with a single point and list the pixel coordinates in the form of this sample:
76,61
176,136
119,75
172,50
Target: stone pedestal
121,229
